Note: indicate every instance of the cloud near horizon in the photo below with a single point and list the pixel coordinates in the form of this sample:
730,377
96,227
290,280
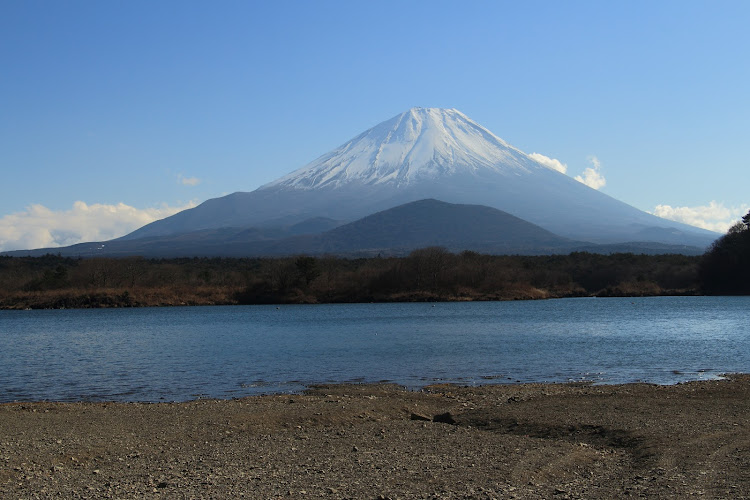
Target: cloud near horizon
41,227
592,176
550,162
714,216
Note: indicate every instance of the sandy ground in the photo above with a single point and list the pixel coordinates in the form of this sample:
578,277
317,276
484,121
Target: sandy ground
511,441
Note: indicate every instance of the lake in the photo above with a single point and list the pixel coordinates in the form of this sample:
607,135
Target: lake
184,353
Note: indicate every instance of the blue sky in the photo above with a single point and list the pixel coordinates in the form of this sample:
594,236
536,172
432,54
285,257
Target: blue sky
115,113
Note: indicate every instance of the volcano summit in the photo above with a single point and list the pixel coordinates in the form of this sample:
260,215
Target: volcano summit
416,146
423,153
432,153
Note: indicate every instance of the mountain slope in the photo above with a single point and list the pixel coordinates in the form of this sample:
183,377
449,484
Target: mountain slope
435,223
396,231
426,223
432,153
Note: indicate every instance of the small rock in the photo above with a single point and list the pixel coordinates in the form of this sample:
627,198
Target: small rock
419,416
354,448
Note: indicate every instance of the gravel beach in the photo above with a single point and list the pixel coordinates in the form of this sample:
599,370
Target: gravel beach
381,441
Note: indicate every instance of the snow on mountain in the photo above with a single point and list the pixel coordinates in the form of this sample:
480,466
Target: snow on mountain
431,153
419,144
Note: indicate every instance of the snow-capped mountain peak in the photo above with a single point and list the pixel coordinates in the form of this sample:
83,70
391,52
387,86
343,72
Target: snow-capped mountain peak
421,143
429,153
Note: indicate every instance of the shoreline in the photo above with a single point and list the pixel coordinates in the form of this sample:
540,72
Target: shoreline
574,440
116,300
482,382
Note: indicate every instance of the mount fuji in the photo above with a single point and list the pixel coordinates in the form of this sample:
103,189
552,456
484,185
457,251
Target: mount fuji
430,153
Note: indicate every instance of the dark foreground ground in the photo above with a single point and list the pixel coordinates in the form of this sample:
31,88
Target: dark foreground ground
520,441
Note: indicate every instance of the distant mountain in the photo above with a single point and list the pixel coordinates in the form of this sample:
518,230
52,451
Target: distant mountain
393,232
432,153
421,154
427,223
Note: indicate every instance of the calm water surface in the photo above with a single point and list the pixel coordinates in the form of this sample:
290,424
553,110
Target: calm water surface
177,354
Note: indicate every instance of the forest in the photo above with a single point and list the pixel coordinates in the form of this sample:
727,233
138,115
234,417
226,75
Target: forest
429,274
725,267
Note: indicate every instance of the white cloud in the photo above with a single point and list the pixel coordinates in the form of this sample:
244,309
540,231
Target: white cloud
550,162
187,181
592,176
40,227
714,216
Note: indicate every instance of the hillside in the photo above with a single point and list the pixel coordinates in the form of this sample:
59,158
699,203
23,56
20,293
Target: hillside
393,232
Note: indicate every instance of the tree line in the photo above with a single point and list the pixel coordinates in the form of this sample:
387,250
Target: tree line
725,267
429,274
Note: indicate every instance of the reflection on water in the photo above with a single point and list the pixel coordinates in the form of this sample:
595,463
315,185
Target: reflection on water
185,353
